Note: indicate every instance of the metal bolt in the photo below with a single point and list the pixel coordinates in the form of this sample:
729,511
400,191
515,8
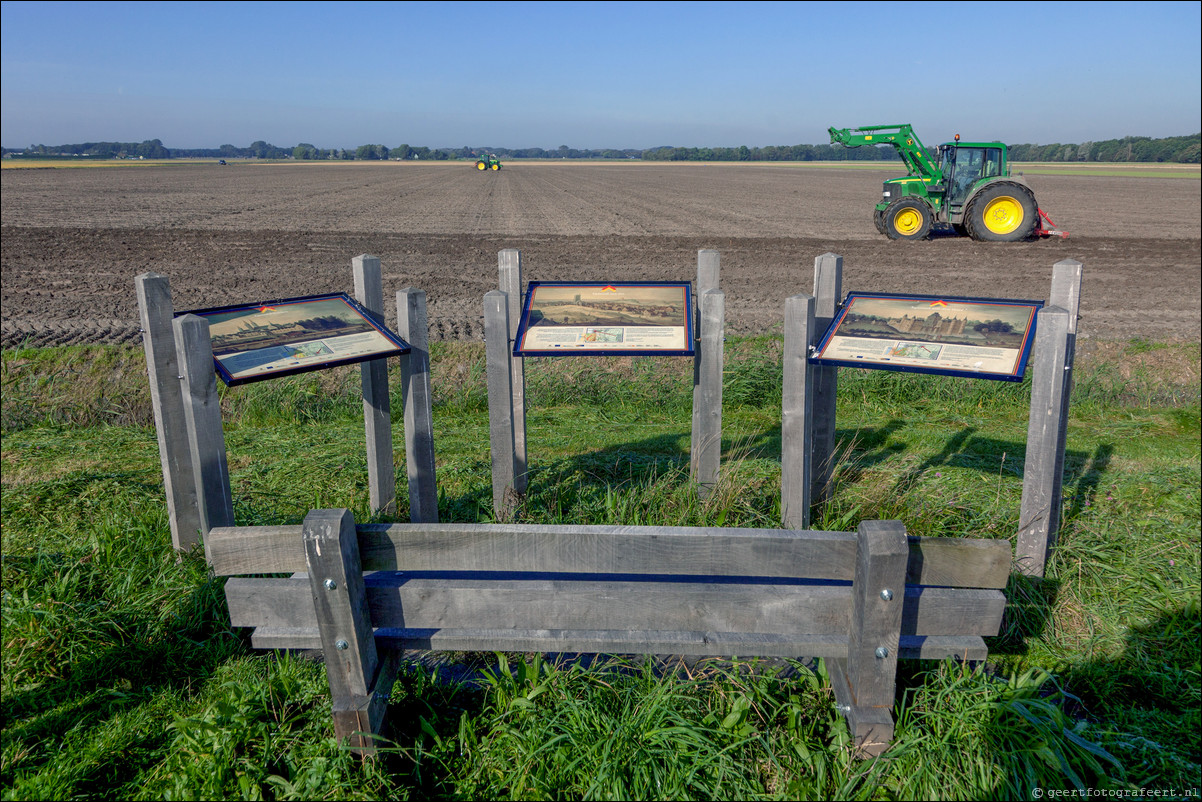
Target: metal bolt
881,652
331,584
887,594
341,645
843,708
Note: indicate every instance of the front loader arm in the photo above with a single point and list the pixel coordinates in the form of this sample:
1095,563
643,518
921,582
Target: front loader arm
901,137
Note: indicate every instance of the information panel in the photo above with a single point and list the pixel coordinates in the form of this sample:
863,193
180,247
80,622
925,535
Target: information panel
596,318
986,338
294,335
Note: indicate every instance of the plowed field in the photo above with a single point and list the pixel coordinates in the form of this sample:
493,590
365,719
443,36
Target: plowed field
72,240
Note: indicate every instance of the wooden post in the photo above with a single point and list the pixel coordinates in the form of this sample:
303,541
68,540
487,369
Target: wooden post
500,404
377,412
509,267
865,683
708,269
414,328
1066,294
202,416
796,426
707,397
828,294
167,400
1039,512
357,684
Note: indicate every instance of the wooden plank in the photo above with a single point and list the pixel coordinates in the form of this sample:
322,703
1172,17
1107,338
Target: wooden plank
940,647
797,410
202,417
951,562
509,268
1039,511
360,721
500,405
959,562
706,457
823,381
875,625
338,602
377,407
417,400
166,398
449,602
694,643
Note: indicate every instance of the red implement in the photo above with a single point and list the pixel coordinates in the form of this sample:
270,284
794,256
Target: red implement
1050,229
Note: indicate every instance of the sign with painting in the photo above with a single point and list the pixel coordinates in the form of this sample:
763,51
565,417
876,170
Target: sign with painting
294,335
598,318
984,338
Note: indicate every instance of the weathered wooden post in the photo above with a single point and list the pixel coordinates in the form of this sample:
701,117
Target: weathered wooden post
357,684
1066,294
202,416
1039,512
705,452
500,404
509,266
377,412
828,292
865,683
707,399
797,401
413,326
167,400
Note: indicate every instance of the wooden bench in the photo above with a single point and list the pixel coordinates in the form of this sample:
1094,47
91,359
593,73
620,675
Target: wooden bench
859,600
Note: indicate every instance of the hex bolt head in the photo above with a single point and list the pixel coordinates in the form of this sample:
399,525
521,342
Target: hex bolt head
887,594
341,645
881,652
330,584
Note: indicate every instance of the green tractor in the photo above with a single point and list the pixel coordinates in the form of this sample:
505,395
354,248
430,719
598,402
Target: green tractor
968,187
488,161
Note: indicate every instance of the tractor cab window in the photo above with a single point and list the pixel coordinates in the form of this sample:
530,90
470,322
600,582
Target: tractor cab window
968,170
947,162
993,162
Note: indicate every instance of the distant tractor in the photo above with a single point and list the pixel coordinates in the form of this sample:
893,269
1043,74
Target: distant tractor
488,161
968,187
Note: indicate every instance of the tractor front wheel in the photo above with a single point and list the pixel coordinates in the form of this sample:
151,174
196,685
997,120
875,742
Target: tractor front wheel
907,219
496,166
878,219
1001,213
481,165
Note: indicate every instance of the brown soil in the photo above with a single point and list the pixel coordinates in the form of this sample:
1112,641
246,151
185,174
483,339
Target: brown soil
72,240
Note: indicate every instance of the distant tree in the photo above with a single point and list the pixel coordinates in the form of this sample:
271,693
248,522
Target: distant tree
305,151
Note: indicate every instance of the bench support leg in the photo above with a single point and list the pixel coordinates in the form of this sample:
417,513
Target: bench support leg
864,683
359,679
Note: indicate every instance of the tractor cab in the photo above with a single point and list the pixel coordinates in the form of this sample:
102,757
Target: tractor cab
962,166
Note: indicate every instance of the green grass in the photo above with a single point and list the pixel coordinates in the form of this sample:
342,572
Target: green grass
121,678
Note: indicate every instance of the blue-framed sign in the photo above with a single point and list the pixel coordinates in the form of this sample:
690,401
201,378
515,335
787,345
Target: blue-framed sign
982,338
260,341
562,318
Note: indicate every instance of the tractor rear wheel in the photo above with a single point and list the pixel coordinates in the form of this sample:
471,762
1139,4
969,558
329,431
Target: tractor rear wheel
1001,212
480,165
907,219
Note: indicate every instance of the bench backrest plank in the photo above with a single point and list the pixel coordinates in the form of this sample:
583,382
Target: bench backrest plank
949,562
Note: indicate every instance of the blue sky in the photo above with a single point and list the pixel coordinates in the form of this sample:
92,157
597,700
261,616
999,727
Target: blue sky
593,75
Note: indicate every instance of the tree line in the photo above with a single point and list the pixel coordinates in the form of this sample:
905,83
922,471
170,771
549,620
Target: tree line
1177,149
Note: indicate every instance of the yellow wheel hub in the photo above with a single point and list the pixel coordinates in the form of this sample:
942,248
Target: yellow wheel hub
1003,215
907,221
481,166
